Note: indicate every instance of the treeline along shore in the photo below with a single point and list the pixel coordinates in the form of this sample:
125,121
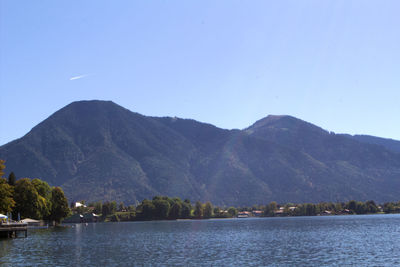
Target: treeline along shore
167,208
35,199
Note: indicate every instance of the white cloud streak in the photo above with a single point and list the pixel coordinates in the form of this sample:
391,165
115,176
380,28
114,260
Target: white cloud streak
78,77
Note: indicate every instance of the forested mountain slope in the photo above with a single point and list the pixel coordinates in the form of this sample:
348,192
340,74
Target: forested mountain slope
98,150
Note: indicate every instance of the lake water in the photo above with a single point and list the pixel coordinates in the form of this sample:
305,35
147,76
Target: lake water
371,240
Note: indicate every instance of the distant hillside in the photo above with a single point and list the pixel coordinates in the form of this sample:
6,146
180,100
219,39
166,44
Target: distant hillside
389,144
97,150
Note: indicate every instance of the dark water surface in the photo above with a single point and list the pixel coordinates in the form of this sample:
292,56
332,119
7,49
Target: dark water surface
372,240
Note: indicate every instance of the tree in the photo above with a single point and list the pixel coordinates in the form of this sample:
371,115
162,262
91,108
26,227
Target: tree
147,209
217,211
270,209
389,207
131,208
44,191
27,200
59,205
310,209
176,210
98,206
6,197
198,210
361,208
108,208
2,167
232,211
351,205
371,207
186,210
11,179
161,208
208,210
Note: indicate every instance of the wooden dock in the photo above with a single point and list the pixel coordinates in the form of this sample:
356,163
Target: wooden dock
11,229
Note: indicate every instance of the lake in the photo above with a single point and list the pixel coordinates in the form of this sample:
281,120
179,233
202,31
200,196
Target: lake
372,240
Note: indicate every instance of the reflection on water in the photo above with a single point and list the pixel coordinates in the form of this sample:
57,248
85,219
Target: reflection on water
315,241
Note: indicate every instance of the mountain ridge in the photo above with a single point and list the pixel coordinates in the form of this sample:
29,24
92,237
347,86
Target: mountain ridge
98,150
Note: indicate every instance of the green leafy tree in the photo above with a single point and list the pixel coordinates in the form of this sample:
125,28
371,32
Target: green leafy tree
389,207
216,211
310,209
176,210
208,210
98,206
44,191
27,199
59,205
198,210
11,179
232,211
42,188
6,196
113,207
361,208
146,209
2,167
351,205
270,209
186,210
162,208
131,208
108,208
371,207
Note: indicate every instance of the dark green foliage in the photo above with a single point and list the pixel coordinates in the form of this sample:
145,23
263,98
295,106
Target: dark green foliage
176,210
44,191
270,209
146,210
114,218
232,211
132,208
99,151
371,207
42,187
27,200
108,208
59,205
351,205
6,197
208,210
161,208
2,167
11,179
186,210
98,207
391,207
198,210
126,216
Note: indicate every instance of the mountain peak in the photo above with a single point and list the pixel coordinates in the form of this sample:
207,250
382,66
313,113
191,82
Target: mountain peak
274,121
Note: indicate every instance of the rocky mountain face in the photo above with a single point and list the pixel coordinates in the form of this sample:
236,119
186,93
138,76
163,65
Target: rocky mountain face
97,150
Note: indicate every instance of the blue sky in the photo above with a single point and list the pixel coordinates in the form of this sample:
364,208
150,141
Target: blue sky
332,63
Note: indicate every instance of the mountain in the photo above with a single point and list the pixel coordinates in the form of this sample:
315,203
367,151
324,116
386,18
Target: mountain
389,144
98,150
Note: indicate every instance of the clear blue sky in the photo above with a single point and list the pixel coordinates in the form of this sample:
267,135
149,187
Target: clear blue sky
332,63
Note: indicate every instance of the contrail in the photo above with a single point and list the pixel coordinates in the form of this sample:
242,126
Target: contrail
78,77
